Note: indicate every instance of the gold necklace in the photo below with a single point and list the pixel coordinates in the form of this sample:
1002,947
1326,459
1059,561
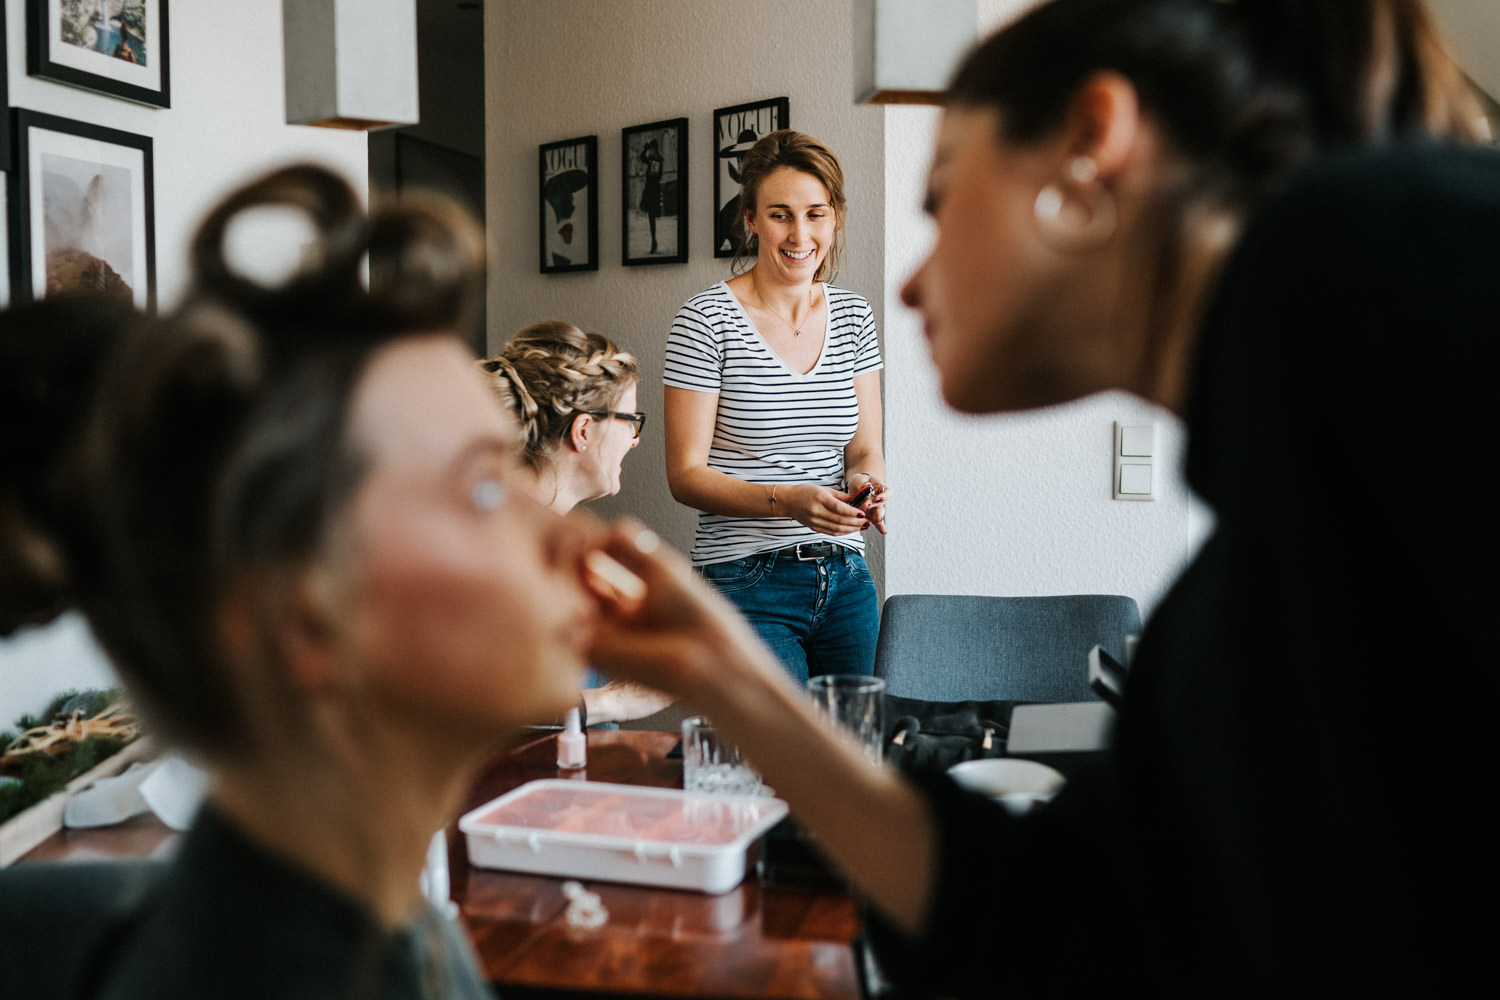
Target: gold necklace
796,330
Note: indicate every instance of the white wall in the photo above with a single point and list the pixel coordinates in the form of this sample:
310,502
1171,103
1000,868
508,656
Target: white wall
226,123
569,68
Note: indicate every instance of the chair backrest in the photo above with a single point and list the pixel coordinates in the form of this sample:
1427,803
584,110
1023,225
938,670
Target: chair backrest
965,648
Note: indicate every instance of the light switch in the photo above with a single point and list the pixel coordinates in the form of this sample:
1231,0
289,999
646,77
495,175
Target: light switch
1137,442
1135,479
1133,462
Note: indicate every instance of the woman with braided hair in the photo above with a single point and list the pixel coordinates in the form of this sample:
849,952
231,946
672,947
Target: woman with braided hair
573,394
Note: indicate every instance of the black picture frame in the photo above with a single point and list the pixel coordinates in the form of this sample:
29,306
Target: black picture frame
4,103
69,170
653,175
5,165
733,131
568,175
67,43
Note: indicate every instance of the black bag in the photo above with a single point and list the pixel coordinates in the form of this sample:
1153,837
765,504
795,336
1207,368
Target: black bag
926,736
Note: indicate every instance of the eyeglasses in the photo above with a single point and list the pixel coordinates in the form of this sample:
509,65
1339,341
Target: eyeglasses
637,420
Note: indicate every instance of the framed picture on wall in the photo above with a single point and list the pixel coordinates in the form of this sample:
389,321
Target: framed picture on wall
735,131
82,211
653,191
4,101
5,243
570,205
115,47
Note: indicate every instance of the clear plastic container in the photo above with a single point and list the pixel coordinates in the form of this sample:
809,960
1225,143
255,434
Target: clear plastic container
620,833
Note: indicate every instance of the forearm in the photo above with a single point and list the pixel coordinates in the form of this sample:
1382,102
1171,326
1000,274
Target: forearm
687,639
872,823
718,492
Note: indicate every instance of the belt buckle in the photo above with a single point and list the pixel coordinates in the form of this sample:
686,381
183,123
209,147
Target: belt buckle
820,546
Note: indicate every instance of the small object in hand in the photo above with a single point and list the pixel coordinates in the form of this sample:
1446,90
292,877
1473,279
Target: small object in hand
585,909
865,495
608,579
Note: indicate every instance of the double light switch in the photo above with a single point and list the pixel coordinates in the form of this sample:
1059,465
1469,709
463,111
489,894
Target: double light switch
1135,453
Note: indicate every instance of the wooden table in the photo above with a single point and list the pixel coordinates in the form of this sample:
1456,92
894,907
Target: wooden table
753,941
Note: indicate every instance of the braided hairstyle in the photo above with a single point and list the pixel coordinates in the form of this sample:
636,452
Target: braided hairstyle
549,373
217,466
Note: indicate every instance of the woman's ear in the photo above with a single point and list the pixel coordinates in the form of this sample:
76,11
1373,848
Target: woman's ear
581,432
309,637
1104,122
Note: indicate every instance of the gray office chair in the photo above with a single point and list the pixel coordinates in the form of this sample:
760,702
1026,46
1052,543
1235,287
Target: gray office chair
964,648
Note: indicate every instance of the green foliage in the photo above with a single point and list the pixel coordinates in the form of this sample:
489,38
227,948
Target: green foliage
42,774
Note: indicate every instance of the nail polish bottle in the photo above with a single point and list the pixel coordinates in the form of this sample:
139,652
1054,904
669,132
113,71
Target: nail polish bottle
572,745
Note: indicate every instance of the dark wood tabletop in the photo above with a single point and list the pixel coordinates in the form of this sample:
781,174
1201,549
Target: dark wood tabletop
753,941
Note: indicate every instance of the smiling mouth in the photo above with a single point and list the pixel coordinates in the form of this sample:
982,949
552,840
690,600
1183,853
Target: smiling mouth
796,256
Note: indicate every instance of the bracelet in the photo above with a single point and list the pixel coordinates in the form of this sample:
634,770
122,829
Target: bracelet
773,496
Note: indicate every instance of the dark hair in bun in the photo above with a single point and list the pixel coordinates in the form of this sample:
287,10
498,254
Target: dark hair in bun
218,465
51,356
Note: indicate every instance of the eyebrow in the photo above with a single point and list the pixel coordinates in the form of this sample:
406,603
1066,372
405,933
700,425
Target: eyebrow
816,204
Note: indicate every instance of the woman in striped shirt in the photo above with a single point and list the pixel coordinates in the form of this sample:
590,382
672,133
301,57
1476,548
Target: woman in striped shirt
773,421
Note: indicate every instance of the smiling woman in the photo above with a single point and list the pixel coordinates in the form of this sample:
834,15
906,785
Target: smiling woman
296,526
773,418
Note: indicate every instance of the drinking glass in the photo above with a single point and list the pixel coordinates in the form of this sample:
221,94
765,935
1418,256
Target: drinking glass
711,764
856,703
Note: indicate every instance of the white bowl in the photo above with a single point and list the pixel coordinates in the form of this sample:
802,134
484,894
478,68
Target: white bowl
1018,785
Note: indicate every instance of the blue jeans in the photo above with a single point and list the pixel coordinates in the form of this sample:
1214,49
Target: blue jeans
819,616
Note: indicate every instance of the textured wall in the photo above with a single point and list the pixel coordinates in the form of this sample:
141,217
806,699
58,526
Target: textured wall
568,68
226,123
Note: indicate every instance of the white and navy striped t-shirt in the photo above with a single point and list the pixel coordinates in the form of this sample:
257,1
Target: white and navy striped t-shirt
774,425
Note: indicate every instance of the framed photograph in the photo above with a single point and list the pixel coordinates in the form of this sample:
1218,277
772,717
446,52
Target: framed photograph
653,190
4,99
735,131
5,243
115,47
570,205
82,211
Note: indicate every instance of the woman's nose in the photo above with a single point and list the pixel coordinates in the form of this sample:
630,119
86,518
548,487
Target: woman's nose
911,292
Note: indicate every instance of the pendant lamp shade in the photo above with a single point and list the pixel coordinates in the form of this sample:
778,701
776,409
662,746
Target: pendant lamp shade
350,63
905,50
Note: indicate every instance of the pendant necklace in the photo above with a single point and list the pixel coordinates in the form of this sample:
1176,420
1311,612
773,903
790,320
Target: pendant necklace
796,330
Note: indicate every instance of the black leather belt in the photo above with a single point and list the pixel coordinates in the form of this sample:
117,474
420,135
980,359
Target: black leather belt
809,551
